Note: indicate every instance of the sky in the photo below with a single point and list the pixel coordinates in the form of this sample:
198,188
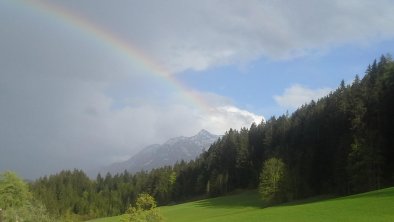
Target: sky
87,83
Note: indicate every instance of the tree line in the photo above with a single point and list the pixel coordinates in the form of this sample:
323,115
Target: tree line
341,144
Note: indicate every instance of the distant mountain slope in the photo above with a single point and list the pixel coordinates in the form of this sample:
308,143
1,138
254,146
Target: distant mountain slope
175,149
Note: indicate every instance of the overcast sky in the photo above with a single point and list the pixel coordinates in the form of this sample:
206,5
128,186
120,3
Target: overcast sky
70,98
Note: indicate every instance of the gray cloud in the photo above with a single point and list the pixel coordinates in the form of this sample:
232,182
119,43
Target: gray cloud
57,124
61,111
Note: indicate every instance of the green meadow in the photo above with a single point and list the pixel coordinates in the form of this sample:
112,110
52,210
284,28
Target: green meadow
246,206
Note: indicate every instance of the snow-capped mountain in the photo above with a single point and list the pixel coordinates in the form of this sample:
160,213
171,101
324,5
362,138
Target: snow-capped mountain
168,153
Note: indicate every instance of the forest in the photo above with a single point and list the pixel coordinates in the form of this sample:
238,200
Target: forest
341,144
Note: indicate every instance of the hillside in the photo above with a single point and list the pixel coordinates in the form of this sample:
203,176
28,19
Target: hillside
340,145
372,206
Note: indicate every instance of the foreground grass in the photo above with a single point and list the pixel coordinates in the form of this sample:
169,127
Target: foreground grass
371,206
107,219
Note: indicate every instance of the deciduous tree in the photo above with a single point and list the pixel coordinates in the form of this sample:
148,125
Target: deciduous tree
272,180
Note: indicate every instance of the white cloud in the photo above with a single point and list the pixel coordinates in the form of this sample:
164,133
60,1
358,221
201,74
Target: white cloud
297,95
201,34
226,117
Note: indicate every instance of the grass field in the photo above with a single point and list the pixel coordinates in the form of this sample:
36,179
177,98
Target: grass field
371,206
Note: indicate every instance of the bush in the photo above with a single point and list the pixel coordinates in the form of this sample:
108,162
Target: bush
144,210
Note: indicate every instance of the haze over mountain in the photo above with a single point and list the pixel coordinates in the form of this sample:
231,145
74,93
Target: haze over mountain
168,153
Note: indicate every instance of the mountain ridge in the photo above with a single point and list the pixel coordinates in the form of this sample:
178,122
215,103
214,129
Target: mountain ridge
159,155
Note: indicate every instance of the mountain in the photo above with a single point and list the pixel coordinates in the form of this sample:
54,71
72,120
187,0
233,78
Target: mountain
168,153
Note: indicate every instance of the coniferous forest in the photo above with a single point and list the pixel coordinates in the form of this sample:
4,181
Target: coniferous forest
341,144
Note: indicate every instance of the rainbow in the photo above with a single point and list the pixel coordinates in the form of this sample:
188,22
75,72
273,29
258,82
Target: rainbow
130,51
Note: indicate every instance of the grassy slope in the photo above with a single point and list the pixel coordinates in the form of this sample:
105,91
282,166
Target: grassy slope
372,206
107,219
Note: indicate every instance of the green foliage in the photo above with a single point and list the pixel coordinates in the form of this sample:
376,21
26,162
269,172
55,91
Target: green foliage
144,210
16,202
13,191
272,180
72,196
30,212
68,195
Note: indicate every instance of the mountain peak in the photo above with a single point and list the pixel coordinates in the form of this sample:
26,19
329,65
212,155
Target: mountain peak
168,153
203,132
